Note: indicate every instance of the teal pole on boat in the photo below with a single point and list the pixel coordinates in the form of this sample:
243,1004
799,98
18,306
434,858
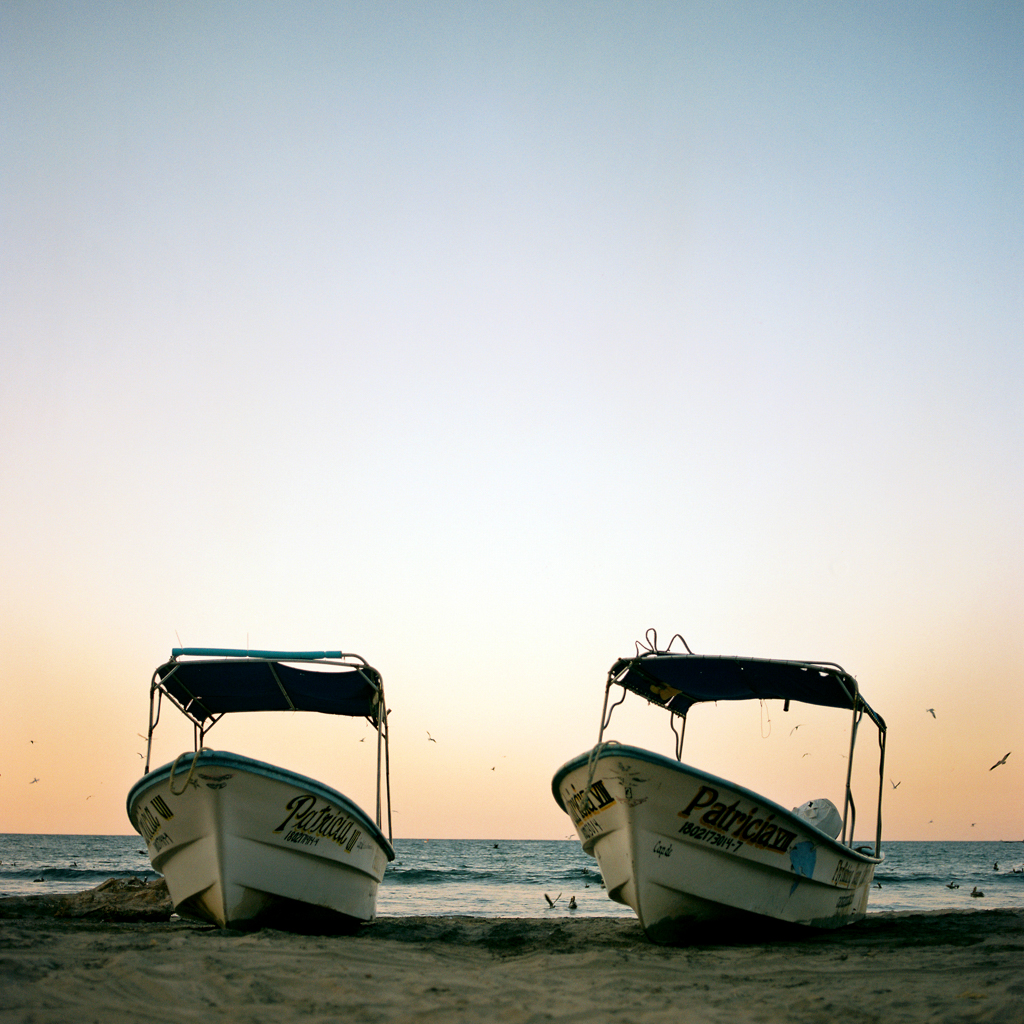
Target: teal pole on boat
224,652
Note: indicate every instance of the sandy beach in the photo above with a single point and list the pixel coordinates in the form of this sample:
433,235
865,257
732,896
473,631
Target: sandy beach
112,955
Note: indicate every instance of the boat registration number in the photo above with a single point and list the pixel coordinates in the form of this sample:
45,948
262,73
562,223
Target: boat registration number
710,836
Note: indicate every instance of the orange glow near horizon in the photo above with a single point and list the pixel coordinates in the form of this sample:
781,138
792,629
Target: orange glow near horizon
483,779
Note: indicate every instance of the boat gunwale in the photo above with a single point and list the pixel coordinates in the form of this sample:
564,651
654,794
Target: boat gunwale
228,759
612,748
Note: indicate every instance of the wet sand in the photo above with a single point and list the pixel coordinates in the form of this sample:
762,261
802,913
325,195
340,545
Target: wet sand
112,955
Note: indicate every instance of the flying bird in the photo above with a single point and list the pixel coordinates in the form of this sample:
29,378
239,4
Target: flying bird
430,738
34,780
896,785
794,729
931,711
1003,761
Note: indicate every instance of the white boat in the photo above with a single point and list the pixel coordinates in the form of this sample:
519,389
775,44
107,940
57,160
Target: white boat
695,855
246,844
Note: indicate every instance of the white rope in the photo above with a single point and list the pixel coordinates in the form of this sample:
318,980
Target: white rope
188,778
595,755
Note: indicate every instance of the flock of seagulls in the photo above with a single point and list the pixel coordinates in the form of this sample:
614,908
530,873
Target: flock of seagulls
1002,760
896,785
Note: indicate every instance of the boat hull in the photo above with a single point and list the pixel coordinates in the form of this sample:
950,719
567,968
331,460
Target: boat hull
246,844
694,854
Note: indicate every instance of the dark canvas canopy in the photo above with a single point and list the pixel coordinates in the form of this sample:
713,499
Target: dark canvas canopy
678,681
208,688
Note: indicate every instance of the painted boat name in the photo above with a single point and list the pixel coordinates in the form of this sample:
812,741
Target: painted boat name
312,821
147,824
742,825
849,875
591,800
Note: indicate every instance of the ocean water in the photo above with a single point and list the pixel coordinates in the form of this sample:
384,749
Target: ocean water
509,878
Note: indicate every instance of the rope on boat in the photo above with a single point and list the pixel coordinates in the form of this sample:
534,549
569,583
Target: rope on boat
595,753
591,770
651,644
678,735
188,778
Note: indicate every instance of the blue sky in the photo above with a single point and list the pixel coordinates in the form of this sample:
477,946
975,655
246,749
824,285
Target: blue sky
477,338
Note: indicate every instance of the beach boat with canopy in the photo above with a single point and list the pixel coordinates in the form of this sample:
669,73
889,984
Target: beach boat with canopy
695,855
243,843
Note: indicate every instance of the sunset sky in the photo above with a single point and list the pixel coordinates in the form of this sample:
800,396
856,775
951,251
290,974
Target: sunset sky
477,338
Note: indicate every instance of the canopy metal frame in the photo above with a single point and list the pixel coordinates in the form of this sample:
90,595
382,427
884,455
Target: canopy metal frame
638,673
327,663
